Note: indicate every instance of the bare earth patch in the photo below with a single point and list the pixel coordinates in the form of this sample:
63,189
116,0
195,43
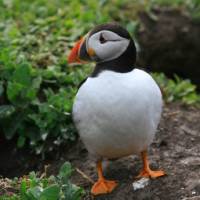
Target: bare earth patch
176,149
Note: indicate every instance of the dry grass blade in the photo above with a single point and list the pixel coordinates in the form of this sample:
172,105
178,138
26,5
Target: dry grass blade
84,175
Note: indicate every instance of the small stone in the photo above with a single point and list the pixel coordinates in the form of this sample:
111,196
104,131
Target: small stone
143,182
193,192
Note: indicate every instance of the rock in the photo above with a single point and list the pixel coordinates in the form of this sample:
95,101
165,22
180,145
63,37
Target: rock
143,182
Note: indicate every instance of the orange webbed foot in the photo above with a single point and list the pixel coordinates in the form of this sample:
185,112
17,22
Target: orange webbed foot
103,186
146,171
150,174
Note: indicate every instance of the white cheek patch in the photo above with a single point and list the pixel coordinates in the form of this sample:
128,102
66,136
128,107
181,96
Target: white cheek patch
114,46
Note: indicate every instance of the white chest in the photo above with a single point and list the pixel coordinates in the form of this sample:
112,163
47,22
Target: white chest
117,114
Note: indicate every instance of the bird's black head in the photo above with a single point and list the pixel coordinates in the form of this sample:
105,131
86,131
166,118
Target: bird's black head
109,45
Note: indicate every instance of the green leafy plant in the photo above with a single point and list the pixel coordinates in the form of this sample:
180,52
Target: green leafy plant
191,6
32,187
177,89
37,86
35,107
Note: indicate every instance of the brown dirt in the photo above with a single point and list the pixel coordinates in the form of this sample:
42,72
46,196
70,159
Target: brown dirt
176,149
175,35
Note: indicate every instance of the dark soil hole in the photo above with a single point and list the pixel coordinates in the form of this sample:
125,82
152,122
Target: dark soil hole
169,42
15,163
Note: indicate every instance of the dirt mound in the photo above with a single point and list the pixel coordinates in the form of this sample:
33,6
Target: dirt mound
170,43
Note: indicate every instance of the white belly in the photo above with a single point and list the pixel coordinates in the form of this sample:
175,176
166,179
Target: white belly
116,114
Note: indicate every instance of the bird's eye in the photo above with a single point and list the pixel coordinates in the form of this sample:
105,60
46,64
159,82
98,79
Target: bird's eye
102,39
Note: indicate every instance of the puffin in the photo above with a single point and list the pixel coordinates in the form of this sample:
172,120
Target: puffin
118,107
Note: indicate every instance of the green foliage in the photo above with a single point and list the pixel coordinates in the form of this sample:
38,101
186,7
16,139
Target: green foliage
191,6
33,187
177,89
37,86
36,103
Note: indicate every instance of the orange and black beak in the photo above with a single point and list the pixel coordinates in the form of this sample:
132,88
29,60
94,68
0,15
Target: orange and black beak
79,53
